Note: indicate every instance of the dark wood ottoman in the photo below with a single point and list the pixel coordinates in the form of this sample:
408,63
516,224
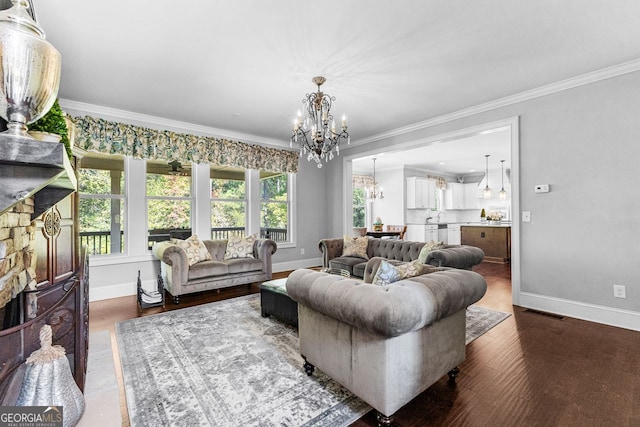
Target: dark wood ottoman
275,302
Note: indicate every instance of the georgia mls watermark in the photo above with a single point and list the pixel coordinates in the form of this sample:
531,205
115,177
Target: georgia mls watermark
30,416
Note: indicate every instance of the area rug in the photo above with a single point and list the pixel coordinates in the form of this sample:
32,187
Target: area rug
480,320
223,364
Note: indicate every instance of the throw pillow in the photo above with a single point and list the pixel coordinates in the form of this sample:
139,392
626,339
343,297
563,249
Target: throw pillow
240,247
429,247
355,246
388,273
195,249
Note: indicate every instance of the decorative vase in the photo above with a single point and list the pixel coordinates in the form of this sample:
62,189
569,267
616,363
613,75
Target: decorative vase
48,381
30,69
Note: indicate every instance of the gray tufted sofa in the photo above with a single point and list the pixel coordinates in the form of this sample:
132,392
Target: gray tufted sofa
180,279
396,251
386,344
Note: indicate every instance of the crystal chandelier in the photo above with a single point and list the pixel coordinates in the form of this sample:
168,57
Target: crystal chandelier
487,191
316,132
372,192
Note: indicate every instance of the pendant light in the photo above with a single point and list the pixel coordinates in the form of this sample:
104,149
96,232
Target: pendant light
487,191
503,193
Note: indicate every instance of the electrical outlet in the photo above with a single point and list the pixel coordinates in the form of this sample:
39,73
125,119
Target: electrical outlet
619,291
526,216
302,251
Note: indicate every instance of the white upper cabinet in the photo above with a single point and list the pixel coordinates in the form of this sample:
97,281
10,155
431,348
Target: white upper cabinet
461,196
420,193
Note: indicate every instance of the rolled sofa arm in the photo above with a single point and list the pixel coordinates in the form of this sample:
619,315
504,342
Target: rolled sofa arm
263,249
389,310
330,248
463,256
176,259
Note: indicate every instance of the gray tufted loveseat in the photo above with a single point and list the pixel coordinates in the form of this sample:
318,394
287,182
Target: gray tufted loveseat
386,344
397,251
180,279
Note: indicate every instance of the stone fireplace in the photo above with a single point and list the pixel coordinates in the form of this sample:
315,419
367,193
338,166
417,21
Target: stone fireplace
17,251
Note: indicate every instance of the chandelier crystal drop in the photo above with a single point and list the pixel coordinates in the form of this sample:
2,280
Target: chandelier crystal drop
315,131
502,193
487,191
373,192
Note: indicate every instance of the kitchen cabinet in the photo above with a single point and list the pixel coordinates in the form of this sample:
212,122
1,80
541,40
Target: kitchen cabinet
421,232
495,241
453,234
420,193
431,233
461,196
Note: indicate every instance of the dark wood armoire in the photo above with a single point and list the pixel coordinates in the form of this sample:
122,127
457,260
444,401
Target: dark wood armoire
60,295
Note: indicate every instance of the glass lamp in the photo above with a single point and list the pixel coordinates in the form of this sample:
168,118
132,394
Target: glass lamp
487,191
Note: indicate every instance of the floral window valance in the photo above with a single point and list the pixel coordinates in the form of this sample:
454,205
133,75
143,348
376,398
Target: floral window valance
110,137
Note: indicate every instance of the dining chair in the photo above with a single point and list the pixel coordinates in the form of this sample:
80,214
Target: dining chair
400,228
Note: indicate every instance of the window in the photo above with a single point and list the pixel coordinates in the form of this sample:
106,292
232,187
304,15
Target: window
275,208
228,206
359,207
168,201
102,203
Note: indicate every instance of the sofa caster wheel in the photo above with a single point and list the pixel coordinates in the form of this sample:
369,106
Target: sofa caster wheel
308,367
176,300
384,420
453,374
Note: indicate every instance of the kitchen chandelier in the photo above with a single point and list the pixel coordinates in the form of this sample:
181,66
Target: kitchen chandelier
372,192
487,191
502,193
316,132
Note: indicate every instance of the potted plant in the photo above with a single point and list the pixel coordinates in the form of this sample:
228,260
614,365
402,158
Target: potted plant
52,123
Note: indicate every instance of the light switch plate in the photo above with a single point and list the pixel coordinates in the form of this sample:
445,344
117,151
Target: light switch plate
541,188
526,216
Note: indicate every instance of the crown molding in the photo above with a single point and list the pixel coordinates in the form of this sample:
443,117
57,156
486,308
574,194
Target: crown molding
178,126
162,123
573,82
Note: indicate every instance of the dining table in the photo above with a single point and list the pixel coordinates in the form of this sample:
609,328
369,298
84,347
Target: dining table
379,234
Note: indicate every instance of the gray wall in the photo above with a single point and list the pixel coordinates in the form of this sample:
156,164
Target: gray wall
310,216
585,143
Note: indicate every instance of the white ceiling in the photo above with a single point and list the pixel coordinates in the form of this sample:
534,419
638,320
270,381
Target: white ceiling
242,67
459,157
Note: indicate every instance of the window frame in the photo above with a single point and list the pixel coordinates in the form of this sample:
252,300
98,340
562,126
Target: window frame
123,197
245,200
191,199
291,210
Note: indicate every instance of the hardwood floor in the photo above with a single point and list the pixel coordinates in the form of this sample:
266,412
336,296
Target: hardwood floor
530,370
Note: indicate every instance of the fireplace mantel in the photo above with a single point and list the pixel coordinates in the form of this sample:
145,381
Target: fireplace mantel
34,168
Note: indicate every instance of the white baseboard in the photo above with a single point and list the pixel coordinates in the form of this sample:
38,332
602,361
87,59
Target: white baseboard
118,290
129,288
594,313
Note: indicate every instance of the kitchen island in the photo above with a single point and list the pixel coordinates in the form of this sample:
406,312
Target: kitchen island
493,239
